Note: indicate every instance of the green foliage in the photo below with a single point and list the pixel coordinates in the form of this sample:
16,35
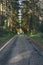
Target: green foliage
6,37
2,18
31,23
38,37
41,27
14,5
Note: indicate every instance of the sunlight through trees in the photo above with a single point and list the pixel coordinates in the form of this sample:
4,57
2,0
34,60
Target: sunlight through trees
26,15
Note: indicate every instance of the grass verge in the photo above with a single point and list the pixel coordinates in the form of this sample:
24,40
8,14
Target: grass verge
5,38
38,37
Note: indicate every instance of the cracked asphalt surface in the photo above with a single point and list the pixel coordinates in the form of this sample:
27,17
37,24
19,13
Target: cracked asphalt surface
20,52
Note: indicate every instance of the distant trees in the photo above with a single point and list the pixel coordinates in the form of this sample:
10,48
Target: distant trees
31,14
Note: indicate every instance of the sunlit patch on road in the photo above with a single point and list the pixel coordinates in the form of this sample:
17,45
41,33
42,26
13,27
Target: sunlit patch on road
20,57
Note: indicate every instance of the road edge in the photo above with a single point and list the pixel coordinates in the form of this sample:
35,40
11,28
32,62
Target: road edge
7,43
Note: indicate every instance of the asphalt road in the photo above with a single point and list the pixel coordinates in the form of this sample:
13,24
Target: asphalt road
20,52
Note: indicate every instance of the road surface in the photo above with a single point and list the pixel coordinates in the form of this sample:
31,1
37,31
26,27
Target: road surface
20,52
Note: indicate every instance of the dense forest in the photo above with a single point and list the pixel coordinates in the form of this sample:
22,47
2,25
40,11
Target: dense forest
25,16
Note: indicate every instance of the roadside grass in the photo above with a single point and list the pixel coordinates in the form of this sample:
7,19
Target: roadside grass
5,38
38,37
